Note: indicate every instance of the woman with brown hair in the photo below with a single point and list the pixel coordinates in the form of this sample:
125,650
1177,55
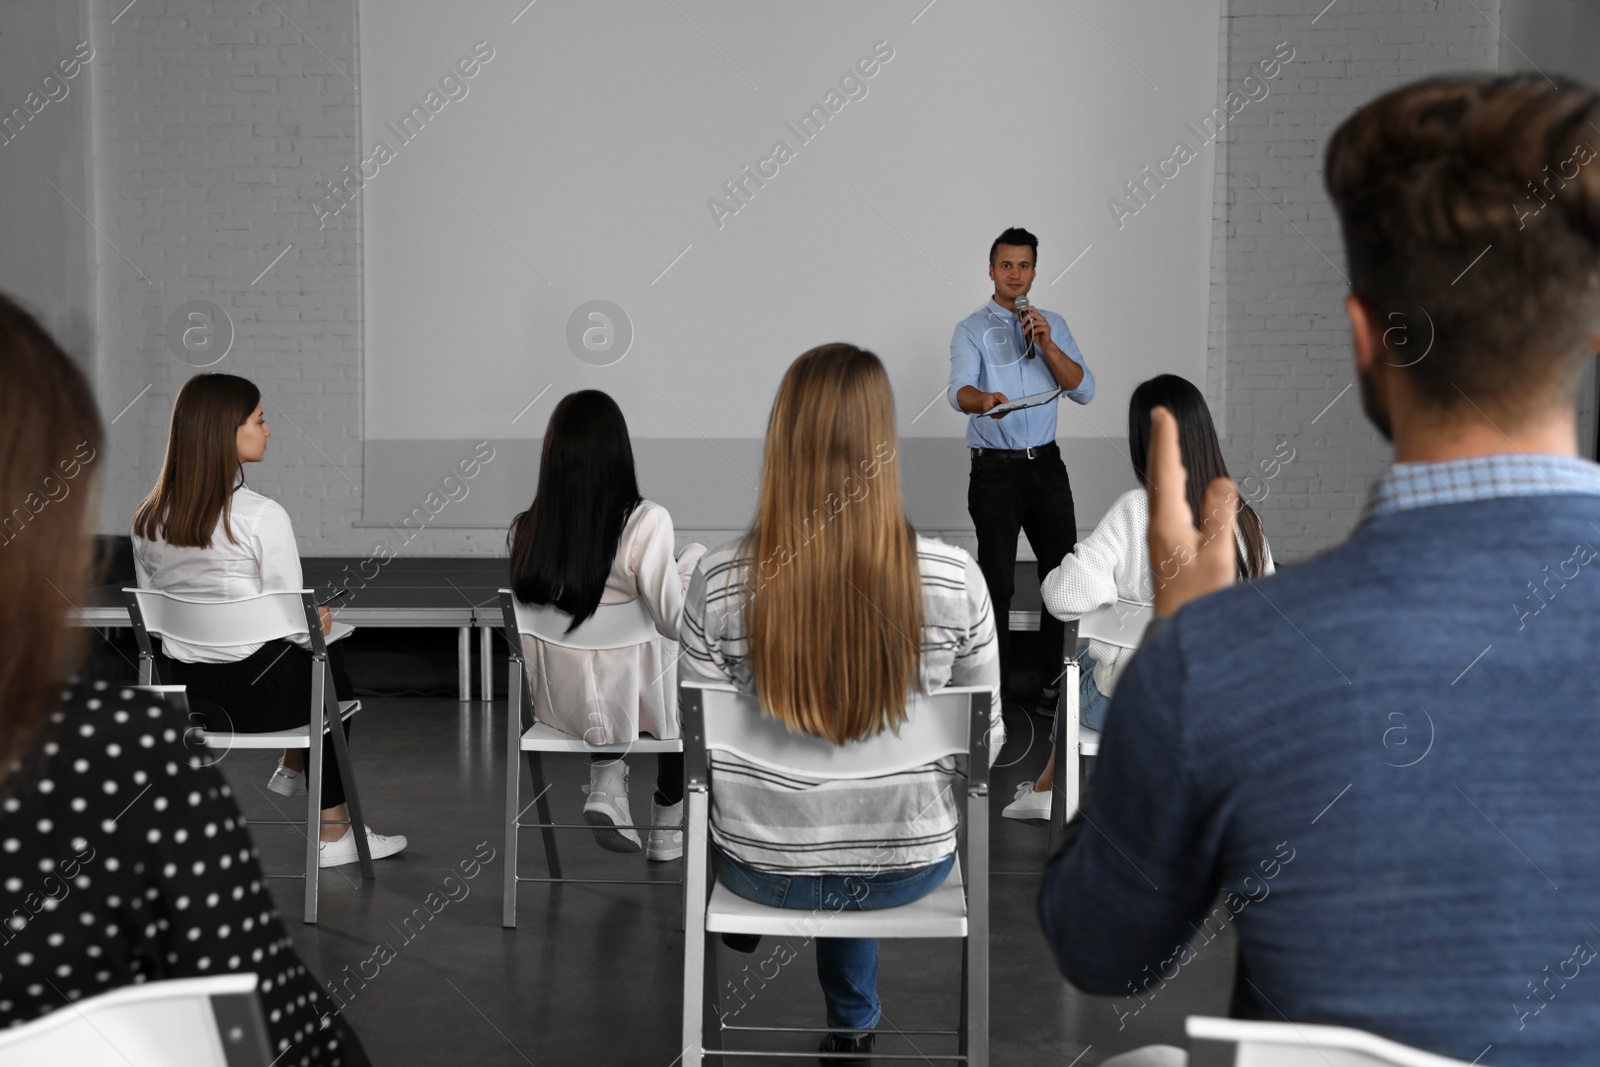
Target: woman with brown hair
202,533
834,610
123,860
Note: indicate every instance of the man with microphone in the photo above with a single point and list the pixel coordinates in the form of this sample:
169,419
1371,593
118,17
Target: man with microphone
1004,352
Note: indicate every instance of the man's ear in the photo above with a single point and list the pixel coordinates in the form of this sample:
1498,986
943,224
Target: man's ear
1366,333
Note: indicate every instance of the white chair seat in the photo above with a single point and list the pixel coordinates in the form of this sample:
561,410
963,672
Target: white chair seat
1242,1042
1088,742
542,738
942,913
294,737
135,1025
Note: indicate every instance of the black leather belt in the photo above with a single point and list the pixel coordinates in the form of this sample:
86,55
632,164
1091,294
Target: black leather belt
1051,449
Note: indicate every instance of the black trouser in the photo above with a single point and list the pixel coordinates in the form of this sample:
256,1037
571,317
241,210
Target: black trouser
270,690
1005,495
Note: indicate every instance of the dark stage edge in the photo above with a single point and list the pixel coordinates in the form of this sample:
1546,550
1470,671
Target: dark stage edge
444,582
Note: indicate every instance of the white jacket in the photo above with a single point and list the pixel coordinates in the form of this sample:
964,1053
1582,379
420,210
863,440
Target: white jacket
1112,563
615,694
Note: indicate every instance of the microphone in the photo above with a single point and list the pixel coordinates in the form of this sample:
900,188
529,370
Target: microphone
1022,306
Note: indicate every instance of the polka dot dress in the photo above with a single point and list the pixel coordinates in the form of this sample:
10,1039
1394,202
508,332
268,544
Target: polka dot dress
122,861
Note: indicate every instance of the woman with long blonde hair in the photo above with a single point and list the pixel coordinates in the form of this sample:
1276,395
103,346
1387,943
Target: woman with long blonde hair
834,611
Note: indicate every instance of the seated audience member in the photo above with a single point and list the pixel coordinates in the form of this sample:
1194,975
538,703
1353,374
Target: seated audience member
589,539
123,861
1385,757
811,610
1113,562
203,534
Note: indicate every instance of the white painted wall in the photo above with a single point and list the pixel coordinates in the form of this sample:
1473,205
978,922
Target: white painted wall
45,243
210,131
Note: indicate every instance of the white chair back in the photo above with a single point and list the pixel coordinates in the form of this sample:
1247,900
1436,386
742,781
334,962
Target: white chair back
948,723
611,626
1244,1043
249,620
182,1022
1121,623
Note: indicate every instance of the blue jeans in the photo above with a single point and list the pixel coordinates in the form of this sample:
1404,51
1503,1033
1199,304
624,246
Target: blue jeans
1092,703
847,967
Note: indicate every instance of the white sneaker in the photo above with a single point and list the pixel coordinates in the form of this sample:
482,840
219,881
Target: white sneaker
666,832
607,808
287,783
1029,806
338,853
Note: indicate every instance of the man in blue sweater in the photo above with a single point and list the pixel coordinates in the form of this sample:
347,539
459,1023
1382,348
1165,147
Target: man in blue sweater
1383,765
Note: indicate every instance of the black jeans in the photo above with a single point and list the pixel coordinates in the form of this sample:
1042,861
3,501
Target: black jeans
1005,495
270,690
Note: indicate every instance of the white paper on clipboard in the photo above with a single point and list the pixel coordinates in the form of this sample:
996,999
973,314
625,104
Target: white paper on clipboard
1023,402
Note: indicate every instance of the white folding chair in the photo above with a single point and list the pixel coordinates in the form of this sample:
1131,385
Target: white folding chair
255,620
1243,1043
181,1022
1121,623
611,626
951,722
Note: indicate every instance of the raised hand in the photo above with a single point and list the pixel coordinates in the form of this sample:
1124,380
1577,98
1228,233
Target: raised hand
1187,562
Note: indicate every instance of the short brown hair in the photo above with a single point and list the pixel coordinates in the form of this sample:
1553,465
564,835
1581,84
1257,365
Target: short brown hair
48,472
1474,201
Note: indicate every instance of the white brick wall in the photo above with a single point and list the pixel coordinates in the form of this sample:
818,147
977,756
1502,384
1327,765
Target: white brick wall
1279,336
213,129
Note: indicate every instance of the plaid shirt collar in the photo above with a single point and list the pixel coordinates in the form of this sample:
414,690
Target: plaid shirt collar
1420,485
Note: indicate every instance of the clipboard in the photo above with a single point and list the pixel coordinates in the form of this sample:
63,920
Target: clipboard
1023,402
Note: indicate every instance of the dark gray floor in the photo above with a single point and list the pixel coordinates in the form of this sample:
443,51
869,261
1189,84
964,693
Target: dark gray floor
593,974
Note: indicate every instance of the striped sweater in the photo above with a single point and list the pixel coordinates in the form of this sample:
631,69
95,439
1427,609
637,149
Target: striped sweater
796,825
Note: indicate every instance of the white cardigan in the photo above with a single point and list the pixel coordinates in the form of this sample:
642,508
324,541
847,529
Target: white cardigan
1112,563
613,695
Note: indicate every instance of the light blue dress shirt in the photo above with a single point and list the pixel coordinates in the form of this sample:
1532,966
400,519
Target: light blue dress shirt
986,352
1460,481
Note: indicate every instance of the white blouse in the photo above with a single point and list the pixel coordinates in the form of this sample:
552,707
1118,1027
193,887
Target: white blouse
1112,563
264,559
615,694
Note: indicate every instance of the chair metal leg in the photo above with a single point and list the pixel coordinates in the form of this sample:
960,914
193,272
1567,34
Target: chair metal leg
313,826
508,910
1069,768
464,664
695,942
541,805
334,723
975,1020
683,880
485,664
964,1031
711,1028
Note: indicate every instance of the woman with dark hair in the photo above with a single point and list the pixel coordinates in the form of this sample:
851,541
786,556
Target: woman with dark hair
588,539
833,610
202,533
124,860
1113,562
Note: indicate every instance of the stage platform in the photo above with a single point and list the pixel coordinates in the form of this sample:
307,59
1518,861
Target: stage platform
439,593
